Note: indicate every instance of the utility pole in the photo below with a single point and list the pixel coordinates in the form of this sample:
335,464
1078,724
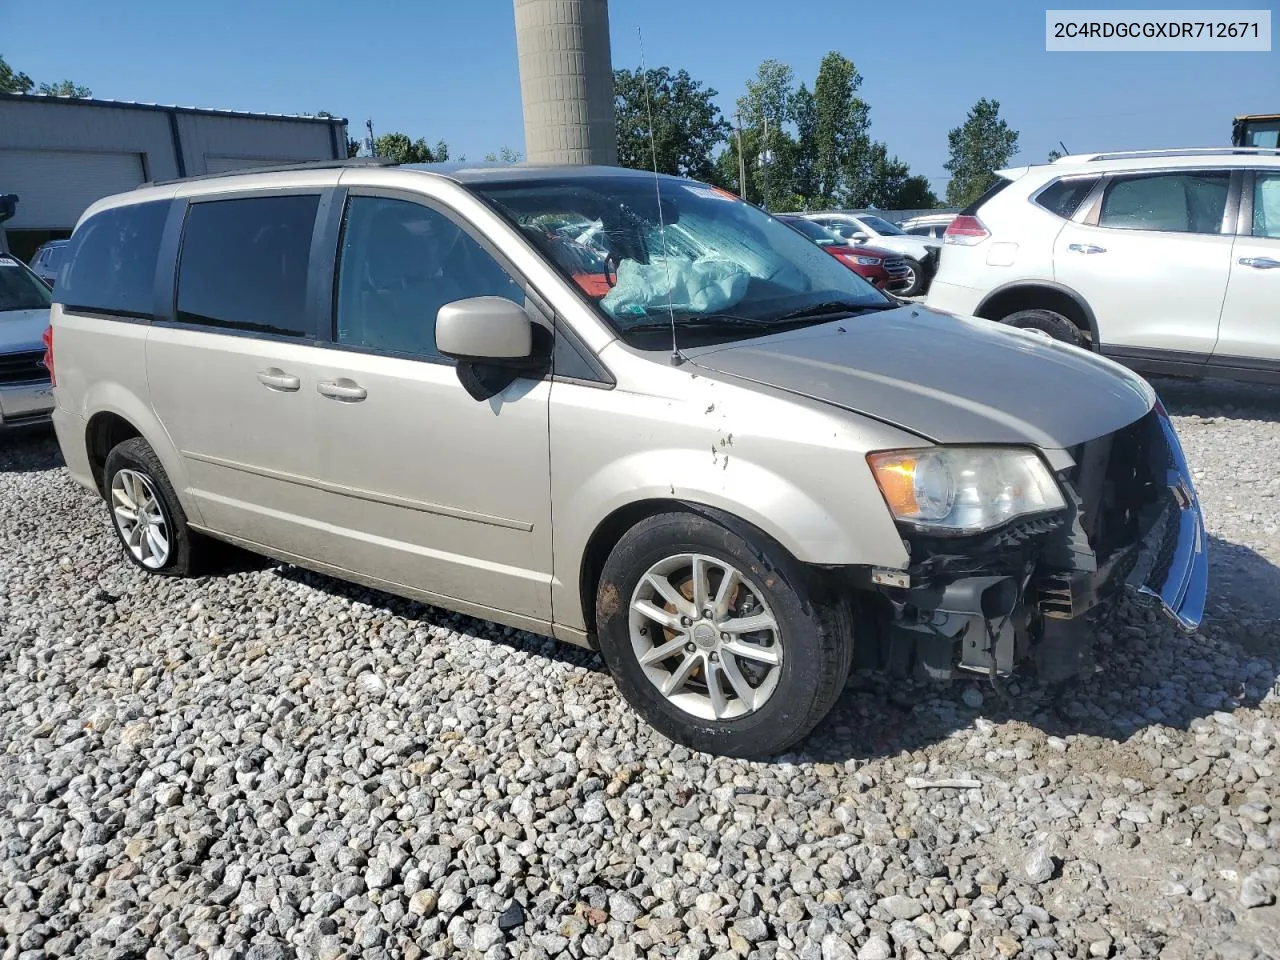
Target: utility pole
742,160
373,149
764,163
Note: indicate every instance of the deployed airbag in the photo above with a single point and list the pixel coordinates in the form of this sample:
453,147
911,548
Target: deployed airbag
705,285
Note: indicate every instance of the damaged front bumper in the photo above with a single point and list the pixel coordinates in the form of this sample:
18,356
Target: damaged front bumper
983,604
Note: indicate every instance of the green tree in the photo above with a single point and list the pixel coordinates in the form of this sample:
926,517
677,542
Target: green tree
1054,155
11,82
804,108
505,155
979,147
687,125
400,149
65,88
770,103
889,184
841,142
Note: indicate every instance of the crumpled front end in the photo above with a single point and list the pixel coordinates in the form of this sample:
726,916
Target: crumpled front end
1029,590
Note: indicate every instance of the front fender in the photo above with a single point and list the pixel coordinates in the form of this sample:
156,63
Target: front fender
791,466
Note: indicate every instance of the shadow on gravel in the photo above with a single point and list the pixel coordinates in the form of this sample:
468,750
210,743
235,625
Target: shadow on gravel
435,616
1238,401
1148,672
29,450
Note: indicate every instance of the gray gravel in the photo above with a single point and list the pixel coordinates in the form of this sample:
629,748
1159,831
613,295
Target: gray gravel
267,764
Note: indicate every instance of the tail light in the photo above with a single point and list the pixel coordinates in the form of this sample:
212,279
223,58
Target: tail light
48,354
965,231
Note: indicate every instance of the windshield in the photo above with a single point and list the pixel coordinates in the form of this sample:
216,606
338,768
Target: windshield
814,231
54,259
721,267
882,226
20,289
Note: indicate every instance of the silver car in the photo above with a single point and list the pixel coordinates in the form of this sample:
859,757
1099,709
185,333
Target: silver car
26,395
701,445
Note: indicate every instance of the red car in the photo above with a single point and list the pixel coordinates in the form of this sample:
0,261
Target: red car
883,269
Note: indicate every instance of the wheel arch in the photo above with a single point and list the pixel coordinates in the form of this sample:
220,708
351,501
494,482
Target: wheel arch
610,531
105,430
1044,295
114,414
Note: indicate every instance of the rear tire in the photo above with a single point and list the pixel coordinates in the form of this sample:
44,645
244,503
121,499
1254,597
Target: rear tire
751,680
1050,322
146,515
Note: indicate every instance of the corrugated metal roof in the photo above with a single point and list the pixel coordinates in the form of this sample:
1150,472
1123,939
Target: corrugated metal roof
167,108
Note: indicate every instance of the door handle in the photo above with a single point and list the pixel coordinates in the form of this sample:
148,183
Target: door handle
348,391
273,378
1086,248
1259,263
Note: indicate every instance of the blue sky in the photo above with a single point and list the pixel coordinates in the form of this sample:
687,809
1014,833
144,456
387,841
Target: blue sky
447,68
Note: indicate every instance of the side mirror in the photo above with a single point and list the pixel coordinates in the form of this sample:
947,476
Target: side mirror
859,236
490,330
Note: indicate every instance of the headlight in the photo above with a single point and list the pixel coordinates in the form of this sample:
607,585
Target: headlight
867,261
964,489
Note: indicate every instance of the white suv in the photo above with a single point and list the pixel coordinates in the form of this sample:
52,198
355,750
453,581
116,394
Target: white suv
1168,261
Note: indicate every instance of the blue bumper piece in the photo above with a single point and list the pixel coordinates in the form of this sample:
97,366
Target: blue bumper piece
1175,563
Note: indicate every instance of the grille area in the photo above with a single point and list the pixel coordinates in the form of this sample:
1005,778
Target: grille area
895,266
23,367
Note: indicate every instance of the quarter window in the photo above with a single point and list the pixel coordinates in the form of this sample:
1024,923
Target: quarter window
111,264
1172,202
400,263
244,264
1065,196
1266,205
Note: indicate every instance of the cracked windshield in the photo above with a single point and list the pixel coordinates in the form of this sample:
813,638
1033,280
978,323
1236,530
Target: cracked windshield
724,269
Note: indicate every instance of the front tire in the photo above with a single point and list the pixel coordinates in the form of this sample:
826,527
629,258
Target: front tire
146,514
916,280
716,639
1048,322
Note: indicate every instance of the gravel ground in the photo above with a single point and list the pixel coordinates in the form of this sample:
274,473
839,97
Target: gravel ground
269,764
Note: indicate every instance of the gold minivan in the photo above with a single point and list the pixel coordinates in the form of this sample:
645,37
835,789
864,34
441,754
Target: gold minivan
631,412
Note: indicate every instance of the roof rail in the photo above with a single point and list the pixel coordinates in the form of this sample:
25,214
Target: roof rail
281,168
1176,152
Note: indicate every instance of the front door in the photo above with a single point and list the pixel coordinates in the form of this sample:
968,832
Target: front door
1154,266
426,487
1251,314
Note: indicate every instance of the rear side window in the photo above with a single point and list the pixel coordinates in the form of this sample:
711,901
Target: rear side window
111,261
1170,202
1065,196
972,209
244,264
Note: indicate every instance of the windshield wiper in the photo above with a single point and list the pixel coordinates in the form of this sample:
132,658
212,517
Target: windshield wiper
829,307
710,321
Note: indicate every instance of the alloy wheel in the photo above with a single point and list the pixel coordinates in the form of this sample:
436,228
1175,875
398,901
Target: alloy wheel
135,508
705,637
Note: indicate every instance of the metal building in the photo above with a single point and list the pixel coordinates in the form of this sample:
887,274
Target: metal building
60,154
566,81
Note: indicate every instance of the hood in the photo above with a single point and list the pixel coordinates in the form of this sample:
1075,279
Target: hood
23,330
914,247
947,379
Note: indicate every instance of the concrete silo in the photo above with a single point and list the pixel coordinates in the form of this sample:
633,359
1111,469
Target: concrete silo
566,80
